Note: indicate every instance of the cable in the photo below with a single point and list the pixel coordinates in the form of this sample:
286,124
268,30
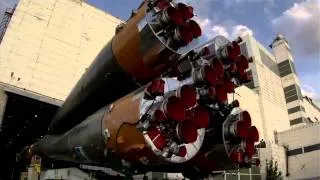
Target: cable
149,107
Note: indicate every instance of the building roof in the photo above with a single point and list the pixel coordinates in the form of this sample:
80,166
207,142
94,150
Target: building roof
311,102
278,38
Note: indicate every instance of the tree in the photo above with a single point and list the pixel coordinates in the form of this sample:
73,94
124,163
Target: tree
272,171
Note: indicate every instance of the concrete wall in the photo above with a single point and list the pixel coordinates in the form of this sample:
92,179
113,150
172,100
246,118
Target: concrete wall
49,44
273,109
305,165
282,52
274,152
300,136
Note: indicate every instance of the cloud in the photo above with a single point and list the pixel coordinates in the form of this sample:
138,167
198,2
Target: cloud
220,30
300,24
309,91
228,30
210,23
311,86
241,30
229,3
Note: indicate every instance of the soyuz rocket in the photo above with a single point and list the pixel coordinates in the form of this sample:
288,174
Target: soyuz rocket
153,100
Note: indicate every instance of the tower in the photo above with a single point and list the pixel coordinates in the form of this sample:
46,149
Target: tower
289,79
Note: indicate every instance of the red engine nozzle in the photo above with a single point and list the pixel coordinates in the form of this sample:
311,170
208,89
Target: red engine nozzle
237,156
221,93
186,11
162,4
249,148
246,118
210,75
241,129
253,135
174,109
229,85
218,68
183,34
195,28
156,88
159,115
236,49
201,117
171,15
188,96
187,131
242,64
229,52
158,140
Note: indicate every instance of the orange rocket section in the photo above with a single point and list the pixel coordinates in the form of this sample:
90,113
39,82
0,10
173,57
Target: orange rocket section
145,63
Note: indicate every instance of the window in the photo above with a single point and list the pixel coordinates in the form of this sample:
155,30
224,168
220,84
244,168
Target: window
295,152
295,109
292,93
292,98
296,121
312,148
289,88
286,67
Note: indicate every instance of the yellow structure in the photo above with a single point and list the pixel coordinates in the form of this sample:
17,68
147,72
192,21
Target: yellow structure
49,44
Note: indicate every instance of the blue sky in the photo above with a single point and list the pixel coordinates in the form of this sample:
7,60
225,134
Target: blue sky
296,19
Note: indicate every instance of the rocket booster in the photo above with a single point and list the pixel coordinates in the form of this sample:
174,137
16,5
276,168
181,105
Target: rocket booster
149,43
181,122
151,101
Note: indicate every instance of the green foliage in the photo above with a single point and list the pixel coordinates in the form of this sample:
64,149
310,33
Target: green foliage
272,171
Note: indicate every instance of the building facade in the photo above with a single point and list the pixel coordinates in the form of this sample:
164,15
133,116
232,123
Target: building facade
290,81
274,101
303,151
48,44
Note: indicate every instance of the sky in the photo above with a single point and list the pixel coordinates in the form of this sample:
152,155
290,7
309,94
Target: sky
296,19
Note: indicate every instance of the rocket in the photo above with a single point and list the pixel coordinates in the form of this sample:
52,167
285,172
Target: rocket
153,100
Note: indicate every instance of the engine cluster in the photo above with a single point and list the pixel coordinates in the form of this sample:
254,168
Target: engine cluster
172,22
194,116
153,101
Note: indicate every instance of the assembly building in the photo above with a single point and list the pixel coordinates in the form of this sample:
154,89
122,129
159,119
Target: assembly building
46,45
